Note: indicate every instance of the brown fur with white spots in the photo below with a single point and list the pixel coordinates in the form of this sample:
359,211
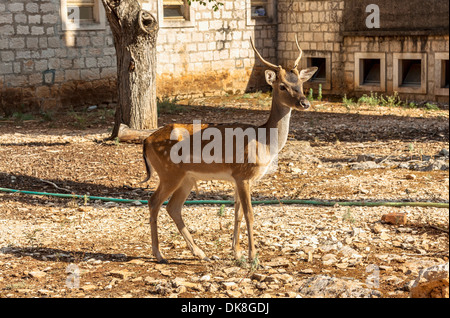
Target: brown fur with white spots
177,180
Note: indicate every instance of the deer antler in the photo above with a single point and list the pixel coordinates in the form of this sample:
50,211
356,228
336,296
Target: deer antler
297,61
276,67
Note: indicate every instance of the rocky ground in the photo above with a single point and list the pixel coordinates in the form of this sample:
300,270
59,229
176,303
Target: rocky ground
54,247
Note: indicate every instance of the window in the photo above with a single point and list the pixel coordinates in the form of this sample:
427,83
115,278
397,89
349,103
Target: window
444,72
321,60
82,15
259,9
260,12
175,9
81,10
321,63
370,71
441,62
410,73
175,14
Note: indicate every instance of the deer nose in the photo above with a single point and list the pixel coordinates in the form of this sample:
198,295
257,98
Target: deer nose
304,103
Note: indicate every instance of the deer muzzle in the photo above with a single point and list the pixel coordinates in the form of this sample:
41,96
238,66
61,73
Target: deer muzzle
304,103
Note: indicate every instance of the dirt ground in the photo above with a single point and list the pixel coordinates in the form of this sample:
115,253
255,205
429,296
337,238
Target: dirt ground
55,247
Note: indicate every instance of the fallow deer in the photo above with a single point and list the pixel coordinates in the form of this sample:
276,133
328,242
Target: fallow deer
178,178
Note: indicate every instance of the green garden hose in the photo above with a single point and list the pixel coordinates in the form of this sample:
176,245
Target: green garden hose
227,202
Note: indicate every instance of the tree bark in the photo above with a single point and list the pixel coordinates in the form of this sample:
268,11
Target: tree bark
135,33
128,135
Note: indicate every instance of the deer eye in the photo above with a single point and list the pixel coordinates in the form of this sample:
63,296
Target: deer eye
282,87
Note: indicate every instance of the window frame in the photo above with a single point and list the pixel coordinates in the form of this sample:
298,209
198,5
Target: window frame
305,63
99,15
270,18
439,57
166,23
265,3
422,89
359,72
174,4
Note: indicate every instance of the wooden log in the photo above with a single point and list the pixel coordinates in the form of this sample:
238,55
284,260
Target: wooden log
128,135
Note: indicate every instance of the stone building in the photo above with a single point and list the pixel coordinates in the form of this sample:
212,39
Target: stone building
364,46
49,59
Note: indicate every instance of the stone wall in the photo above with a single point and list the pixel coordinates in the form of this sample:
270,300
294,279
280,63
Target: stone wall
214,55
320,27
317,25
45,67
398,16
427,48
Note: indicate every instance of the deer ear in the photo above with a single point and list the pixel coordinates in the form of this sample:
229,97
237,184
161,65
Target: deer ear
271,77
307,73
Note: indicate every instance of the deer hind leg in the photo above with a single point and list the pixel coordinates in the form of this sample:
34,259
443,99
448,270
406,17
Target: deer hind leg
156,200
174,209
237,226
243,189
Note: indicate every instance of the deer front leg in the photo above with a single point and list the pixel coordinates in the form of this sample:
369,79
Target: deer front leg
237,226
243,188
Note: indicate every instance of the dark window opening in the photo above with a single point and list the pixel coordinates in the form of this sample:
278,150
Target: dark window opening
370,71
444,74
410,73
259,9
321,74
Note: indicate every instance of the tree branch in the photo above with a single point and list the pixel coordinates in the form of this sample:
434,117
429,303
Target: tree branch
59,188
111,14
129,135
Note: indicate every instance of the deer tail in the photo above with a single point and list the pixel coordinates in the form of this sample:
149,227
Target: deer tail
148,166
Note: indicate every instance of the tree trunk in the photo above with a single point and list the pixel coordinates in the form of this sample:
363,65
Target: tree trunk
135,32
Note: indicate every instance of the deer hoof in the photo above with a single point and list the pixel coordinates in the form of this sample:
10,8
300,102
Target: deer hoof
163,261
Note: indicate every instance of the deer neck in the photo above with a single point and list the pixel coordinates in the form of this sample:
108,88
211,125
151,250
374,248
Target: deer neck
279,118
